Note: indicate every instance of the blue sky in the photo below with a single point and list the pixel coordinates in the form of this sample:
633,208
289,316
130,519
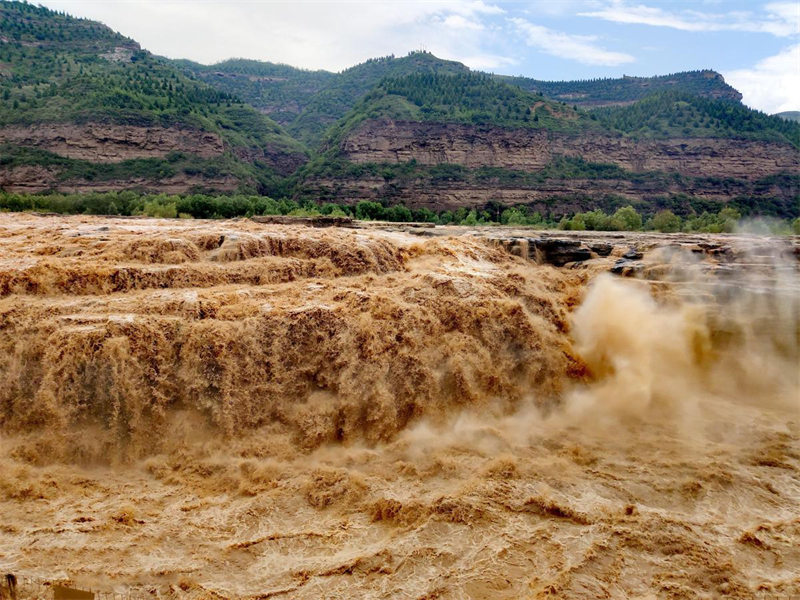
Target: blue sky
754,44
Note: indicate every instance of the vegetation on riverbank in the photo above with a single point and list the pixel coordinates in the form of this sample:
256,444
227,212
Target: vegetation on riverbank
202,206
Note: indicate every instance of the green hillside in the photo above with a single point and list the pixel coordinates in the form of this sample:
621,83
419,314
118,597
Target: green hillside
332,103
680,114
468,98
59,69
279,90
81,77
478,99
598,92
481,100
308,102
789,115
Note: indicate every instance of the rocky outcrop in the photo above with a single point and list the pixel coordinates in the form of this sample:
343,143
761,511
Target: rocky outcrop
33,179
101,142
645,254
283,162
28,179
386,141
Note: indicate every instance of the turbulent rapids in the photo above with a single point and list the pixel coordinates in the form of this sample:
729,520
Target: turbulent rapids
196,409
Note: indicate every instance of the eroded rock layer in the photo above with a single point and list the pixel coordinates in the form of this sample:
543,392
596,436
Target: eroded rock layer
386,141
103,142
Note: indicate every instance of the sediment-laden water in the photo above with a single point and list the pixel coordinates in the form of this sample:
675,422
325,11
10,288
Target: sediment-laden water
230,409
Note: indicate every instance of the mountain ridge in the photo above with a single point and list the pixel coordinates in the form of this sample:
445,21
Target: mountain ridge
80,78
229,76
88,109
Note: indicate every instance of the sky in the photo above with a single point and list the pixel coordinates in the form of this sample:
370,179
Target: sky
754,44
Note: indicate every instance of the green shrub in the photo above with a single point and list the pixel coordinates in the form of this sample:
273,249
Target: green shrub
398,213
665,221
370,211
629,219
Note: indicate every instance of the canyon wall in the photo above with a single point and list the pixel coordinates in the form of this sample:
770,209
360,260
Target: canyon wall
712,171
34,179
101,142
386,141
108,143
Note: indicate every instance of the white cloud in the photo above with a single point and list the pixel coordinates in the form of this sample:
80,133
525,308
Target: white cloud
557,8
460,22
317,34
781,19
581,48
488,62
773,84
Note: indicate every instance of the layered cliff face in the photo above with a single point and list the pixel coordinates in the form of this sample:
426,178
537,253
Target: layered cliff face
515,166
102,142
554,197
386,141
33,179
108,143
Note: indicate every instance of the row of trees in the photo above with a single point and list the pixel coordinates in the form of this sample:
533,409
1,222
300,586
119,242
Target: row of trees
202,206
727,220
701,83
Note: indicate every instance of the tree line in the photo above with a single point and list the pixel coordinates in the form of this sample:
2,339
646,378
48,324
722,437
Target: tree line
204,206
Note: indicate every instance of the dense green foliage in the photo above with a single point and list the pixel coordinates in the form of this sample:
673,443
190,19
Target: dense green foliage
201,206
708,84
281,90
677,113
130,203
477,99
308,102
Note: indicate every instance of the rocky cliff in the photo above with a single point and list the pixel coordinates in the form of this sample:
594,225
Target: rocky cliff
683,174
387,141
32,179
103,142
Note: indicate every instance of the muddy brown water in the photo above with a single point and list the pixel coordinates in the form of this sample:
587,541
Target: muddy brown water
197,409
